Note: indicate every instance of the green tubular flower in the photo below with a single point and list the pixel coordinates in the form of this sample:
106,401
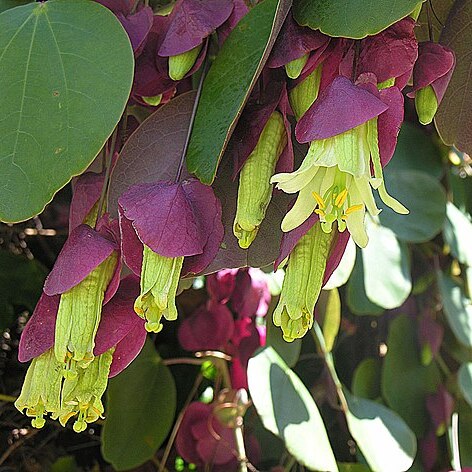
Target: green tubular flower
303,95
41,392
81,396
79,315
294,68
426,104
159,280
335,181
255,190
180,64
302,283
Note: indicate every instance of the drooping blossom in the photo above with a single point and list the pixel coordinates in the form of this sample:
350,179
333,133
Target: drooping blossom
161,224
348,140
431,76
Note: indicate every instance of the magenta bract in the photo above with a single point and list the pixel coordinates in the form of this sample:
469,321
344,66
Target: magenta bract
220,285
294,41
38,335
87,190
251,296
191,21
172,219
341,107
84,250
209,328
435,66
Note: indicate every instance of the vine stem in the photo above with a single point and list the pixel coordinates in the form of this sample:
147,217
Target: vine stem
192,120
175,430
328,357
7,398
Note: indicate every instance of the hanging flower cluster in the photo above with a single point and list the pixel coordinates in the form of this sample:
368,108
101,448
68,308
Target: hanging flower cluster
341,99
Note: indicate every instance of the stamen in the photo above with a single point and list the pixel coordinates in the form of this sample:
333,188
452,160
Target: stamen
352,209
341,198
319,200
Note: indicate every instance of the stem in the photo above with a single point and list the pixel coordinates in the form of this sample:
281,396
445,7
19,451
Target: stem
175,430
239,438
442,365
192,119
108,159
328,357
290,463
183,360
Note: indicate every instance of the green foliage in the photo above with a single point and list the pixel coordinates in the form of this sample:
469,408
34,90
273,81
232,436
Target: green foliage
288,410
229,83
366,379
405,381
354,19
138,396
56,118
21,282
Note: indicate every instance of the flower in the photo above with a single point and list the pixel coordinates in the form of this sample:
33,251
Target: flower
302,283
94,255
335,179
161,224
431,76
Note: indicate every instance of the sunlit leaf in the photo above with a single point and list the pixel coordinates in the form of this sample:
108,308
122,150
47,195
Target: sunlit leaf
288,410
465,381
341,274
457,233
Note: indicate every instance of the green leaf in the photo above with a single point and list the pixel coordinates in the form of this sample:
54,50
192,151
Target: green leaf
465,381
21,283
456,107
228,84
7,4
64,464
141,405
384,439
426,200
341,274
416,150
366,379
328,309
153,153
386,263
288,410
352,467
289,352
405,381
457,232
457,308
356,298
465,433
66,70
353,19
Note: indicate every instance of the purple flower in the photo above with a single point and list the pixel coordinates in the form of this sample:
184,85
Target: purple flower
220,285
251,296
440,406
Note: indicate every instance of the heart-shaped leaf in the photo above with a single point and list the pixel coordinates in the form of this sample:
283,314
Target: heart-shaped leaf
457,232
366,379
228,84
66,70
457,308
288,410
424,196
465,381
353,19
140,411
385,440
386,264
456,107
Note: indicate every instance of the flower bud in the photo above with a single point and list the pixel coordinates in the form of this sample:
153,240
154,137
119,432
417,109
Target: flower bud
294,68
79,315
41,392
302,283
82,395
180,64
305,93
426,104
159,280
255,190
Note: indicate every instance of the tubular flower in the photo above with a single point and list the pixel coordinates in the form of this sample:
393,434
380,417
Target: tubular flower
255,191
188,210
83,291
41,391
335,179
159,280
82,395
302,283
